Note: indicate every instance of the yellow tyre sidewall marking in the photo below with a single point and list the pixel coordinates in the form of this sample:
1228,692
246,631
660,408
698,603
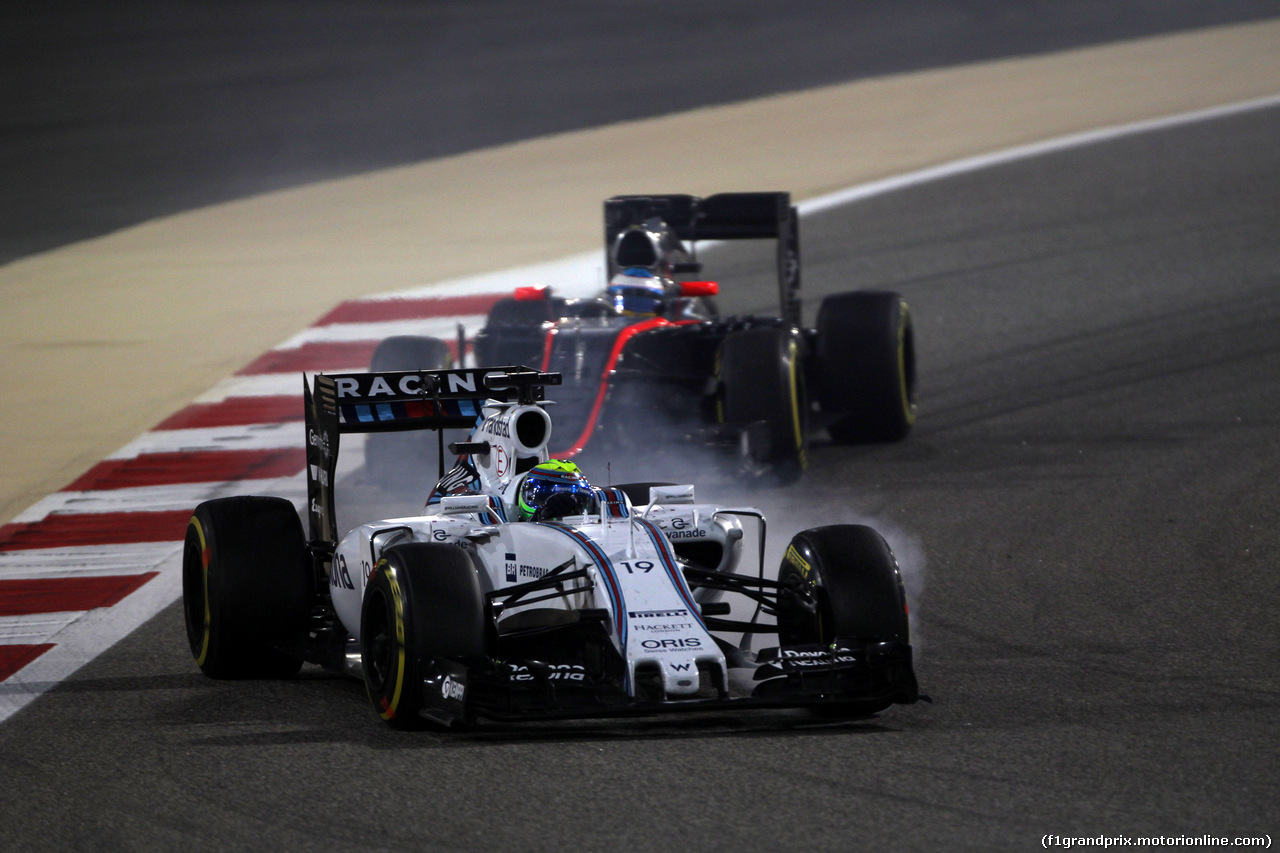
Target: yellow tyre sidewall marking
204,579
908,410
797,427
397,599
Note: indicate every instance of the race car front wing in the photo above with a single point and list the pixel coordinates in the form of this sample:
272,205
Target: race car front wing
852,677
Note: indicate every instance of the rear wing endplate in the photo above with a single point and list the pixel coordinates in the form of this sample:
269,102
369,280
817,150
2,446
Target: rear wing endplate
724,216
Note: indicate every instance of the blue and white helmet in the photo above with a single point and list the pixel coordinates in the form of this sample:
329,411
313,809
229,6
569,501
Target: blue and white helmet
636,290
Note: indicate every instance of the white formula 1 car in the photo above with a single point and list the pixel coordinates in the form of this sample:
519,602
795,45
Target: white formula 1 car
505,604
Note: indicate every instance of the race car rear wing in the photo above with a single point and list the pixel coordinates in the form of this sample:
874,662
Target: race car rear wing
724,216
392,401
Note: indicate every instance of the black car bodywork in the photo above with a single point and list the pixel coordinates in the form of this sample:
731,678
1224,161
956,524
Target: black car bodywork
757,386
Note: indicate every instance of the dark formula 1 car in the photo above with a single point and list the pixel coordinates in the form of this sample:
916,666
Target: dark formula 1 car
651,358
522,591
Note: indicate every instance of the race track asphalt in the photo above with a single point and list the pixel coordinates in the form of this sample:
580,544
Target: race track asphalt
1086,514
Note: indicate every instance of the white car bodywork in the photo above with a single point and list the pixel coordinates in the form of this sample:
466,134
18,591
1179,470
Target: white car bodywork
654,617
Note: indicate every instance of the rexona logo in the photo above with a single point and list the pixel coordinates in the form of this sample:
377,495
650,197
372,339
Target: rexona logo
672,645
656,614
803,658
450,689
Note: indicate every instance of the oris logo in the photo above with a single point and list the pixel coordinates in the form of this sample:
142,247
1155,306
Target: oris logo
665,645
450,689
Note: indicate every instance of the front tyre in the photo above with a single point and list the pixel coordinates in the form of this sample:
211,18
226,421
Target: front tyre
865,366
422,607
246,586
850,573
855,580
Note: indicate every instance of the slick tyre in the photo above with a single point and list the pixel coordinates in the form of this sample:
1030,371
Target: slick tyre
405,456
761,383
865,366
513,332
638,493
411,352
246,586
855,579
422,604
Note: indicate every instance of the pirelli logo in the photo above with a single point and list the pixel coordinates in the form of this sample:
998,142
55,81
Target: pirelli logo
793,557
656,614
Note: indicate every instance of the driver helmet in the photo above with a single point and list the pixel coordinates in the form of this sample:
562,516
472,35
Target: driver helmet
636,290
554,489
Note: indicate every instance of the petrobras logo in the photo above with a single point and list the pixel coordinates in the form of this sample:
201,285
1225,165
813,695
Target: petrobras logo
656,614
451,689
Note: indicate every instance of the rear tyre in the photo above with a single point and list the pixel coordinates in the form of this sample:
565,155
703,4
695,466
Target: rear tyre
246,586
422,604
513,332
411,352
405,456
761,382
865,366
